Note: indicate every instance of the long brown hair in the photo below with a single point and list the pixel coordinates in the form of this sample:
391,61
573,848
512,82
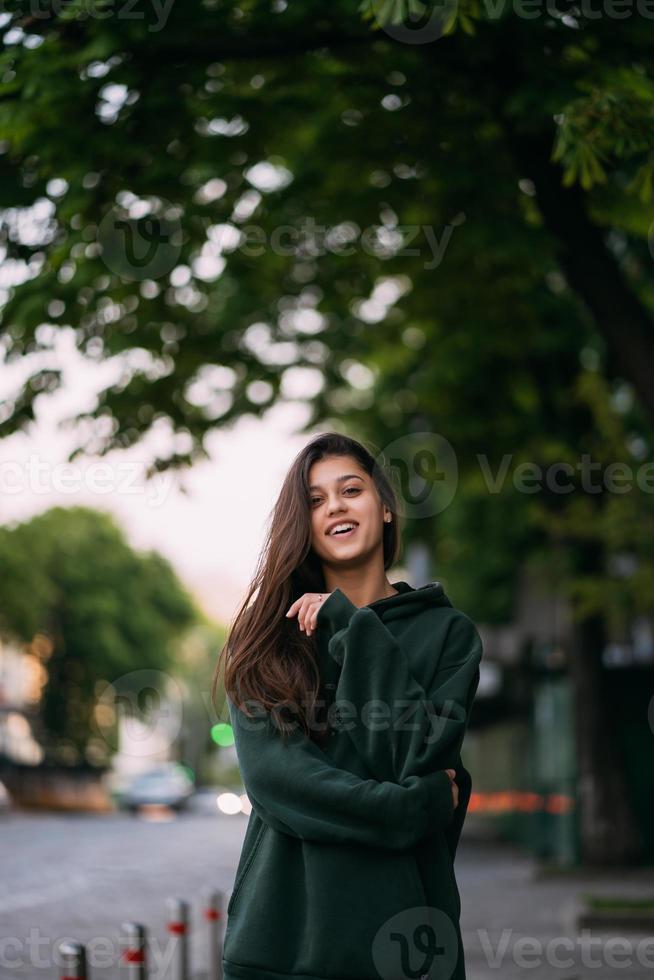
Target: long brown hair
266,658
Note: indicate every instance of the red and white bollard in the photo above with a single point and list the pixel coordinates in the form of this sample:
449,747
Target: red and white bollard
214,915
133,961
178,926
73,961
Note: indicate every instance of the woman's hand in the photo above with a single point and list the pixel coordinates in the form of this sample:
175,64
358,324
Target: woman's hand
455,789
306,609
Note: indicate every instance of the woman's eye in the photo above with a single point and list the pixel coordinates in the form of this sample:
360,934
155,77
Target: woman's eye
316,500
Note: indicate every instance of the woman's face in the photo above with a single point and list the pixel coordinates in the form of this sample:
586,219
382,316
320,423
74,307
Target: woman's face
342,493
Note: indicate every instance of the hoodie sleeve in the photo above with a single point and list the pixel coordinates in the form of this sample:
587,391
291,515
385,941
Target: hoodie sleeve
296,788
398,727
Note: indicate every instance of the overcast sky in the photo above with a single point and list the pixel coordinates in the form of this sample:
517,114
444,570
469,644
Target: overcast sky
213,533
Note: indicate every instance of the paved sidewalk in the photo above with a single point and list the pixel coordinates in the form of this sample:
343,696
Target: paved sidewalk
82,876
518,921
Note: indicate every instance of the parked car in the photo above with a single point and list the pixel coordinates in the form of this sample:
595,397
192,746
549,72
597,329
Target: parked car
167,784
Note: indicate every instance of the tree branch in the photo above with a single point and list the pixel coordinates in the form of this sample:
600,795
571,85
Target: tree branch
590,268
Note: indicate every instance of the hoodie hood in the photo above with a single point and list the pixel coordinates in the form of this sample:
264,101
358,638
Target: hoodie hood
409,601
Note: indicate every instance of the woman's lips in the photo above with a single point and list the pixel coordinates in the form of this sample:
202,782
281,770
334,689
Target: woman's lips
343,534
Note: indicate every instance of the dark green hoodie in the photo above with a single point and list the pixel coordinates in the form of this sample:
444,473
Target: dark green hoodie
346,870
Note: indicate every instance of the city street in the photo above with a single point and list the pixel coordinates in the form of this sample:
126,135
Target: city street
82,876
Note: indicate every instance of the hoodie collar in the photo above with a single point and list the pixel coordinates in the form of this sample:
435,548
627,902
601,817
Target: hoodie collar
409,600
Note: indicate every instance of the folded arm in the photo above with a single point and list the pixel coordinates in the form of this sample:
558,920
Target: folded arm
296,788
398,727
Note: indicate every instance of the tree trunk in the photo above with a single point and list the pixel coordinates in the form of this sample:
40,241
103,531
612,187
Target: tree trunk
609,833
591,270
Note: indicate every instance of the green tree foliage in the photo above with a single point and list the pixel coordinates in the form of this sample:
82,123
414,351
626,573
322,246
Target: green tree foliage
108,610
221,134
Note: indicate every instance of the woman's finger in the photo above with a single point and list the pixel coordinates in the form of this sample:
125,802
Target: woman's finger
306,609
303,615
312,614
294,607
297,609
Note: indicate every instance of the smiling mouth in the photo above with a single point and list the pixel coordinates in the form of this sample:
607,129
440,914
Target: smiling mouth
343,534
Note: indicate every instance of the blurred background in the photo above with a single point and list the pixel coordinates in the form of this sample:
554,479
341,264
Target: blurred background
227,226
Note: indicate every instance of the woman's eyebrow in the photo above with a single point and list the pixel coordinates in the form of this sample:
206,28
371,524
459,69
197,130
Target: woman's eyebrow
340,479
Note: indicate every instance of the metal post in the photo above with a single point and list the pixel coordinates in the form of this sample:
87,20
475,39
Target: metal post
133,960
214,916
73,961
178,926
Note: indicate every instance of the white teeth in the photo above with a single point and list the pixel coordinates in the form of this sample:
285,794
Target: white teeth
342,527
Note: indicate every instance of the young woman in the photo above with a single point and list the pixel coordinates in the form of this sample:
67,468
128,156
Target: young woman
349,697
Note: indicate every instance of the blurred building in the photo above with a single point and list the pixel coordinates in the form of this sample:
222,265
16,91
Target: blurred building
22,676
521,746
